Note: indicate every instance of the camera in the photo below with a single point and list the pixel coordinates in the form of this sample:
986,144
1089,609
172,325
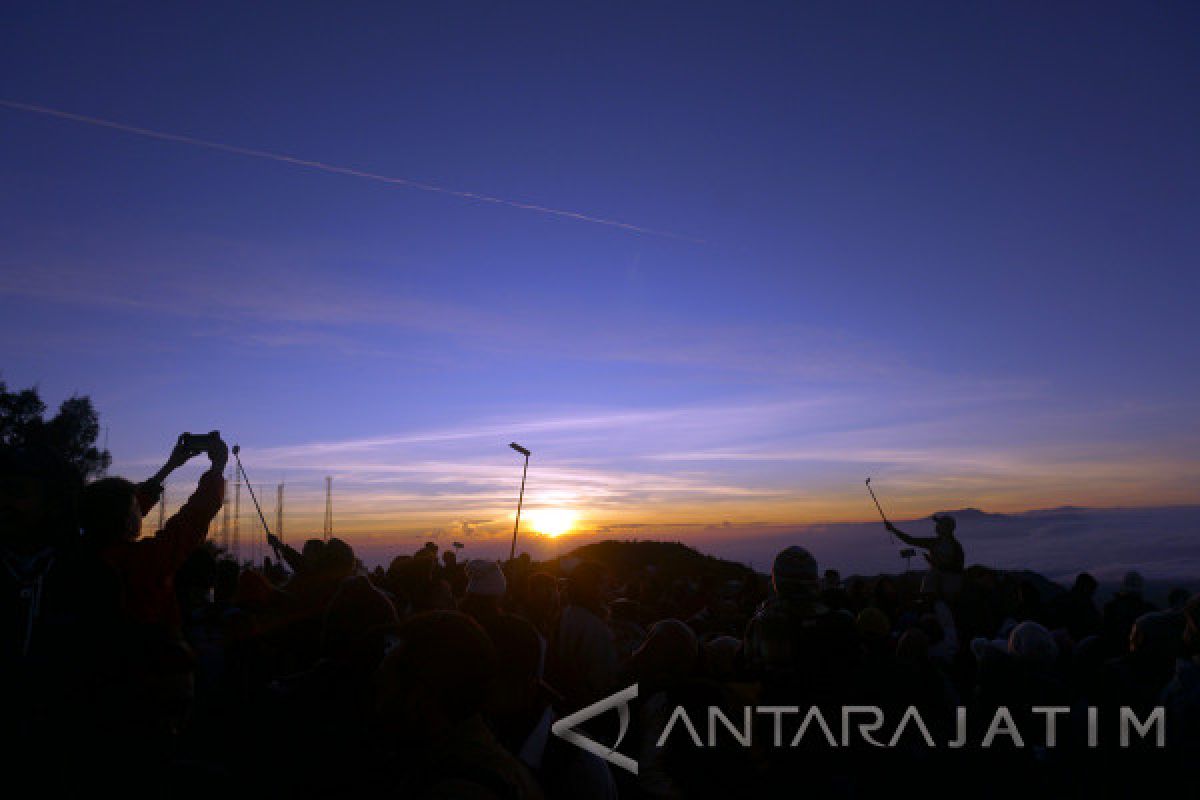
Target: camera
195,442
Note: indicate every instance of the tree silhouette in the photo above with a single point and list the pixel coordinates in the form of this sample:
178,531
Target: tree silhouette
72,432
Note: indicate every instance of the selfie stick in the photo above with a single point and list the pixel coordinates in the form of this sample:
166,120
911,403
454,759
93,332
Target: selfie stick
882,516
237,448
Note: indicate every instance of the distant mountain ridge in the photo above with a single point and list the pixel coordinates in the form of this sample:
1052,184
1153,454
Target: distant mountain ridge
668,560
1162,542
630,558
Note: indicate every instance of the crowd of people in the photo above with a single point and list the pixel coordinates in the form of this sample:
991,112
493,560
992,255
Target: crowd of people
155,665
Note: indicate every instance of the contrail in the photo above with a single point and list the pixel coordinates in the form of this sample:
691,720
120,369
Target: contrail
335,169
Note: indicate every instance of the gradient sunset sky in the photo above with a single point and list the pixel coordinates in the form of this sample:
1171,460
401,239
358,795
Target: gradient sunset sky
949,245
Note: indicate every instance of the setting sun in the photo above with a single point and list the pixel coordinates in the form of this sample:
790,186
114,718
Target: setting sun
552,521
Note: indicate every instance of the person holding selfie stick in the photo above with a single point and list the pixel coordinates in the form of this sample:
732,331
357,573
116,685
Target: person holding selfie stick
943,552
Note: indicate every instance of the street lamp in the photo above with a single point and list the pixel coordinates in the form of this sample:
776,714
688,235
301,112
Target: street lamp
512,551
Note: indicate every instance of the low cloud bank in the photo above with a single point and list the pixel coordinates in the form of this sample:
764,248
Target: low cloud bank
1162,543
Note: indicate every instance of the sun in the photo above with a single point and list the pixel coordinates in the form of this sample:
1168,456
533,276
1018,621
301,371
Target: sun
552,521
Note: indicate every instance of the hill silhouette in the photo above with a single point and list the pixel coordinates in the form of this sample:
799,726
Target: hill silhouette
669,560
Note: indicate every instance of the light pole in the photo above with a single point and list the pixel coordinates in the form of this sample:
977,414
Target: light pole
512,551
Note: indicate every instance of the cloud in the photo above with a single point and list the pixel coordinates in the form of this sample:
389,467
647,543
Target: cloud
784,450
272,300
1159,542
1059,543
461,481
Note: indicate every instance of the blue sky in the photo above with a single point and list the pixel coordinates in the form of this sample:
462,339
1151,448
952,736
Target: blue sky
949,245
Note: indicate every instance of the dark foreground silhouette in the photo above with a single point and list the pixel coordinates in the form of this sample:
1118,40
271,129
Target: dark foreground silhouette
151,666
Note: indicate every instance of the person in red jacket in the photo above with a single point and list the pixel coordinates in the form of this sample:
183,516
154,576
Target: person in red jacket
150,691
111,515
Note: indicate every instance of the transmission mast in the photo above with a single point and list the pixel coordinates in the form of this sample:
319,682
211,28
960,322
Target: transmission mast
260,542
328,533
225,519
279,511
256,537
237,518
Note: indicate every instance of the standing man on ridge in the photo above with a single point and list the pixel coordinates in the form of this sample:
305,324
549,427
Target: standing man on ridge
943,552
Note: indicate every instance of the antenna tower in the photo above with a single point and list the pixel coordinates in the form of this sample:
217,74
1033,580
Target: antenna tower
279,511
237,518
328,533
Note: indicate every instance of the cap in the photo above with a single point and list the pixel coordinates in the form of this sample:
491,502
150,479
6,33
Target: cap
946,518
1031,642
794,568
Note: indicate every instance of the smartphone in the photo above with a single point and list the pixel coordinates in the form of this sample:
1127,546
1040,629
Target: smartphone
197,442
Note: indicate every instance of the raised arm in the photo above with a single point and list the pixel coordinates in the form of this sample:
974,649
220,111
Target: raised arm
290,555
187,529
925,542
149,491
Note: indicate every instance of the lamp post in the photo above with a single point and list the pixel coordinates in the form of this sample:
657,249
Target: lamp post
512,551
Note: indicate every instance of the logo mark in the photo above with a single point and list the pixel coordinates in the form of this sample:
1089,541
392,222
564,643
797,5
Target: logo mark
565,728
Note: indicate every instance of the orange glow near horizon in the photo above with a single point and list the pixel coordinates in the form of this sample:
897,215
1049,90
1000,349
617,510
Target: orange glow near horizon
552,522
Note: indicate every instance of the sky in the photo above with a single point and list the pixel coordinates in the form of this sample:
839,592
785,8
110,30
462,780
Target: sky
714,263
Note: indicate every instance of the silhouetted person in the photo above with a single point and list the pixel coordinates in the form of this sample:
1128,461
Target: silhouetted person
885,596
541,603
486,586
917,678
669,655
1139,676
58,608
1182,694
1122,610
977,606
303,562
721,658
433,686
520,713
1029,603
226,582
585,657
333,702
832,592
1076,610
157,685
453,573
943,552
627,630
337,560
38,528
111,514
796,644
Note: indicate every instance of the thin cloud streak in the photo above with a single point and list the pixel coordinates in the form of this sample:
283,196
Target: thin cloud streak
272,312
337,170
699,416
825,465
